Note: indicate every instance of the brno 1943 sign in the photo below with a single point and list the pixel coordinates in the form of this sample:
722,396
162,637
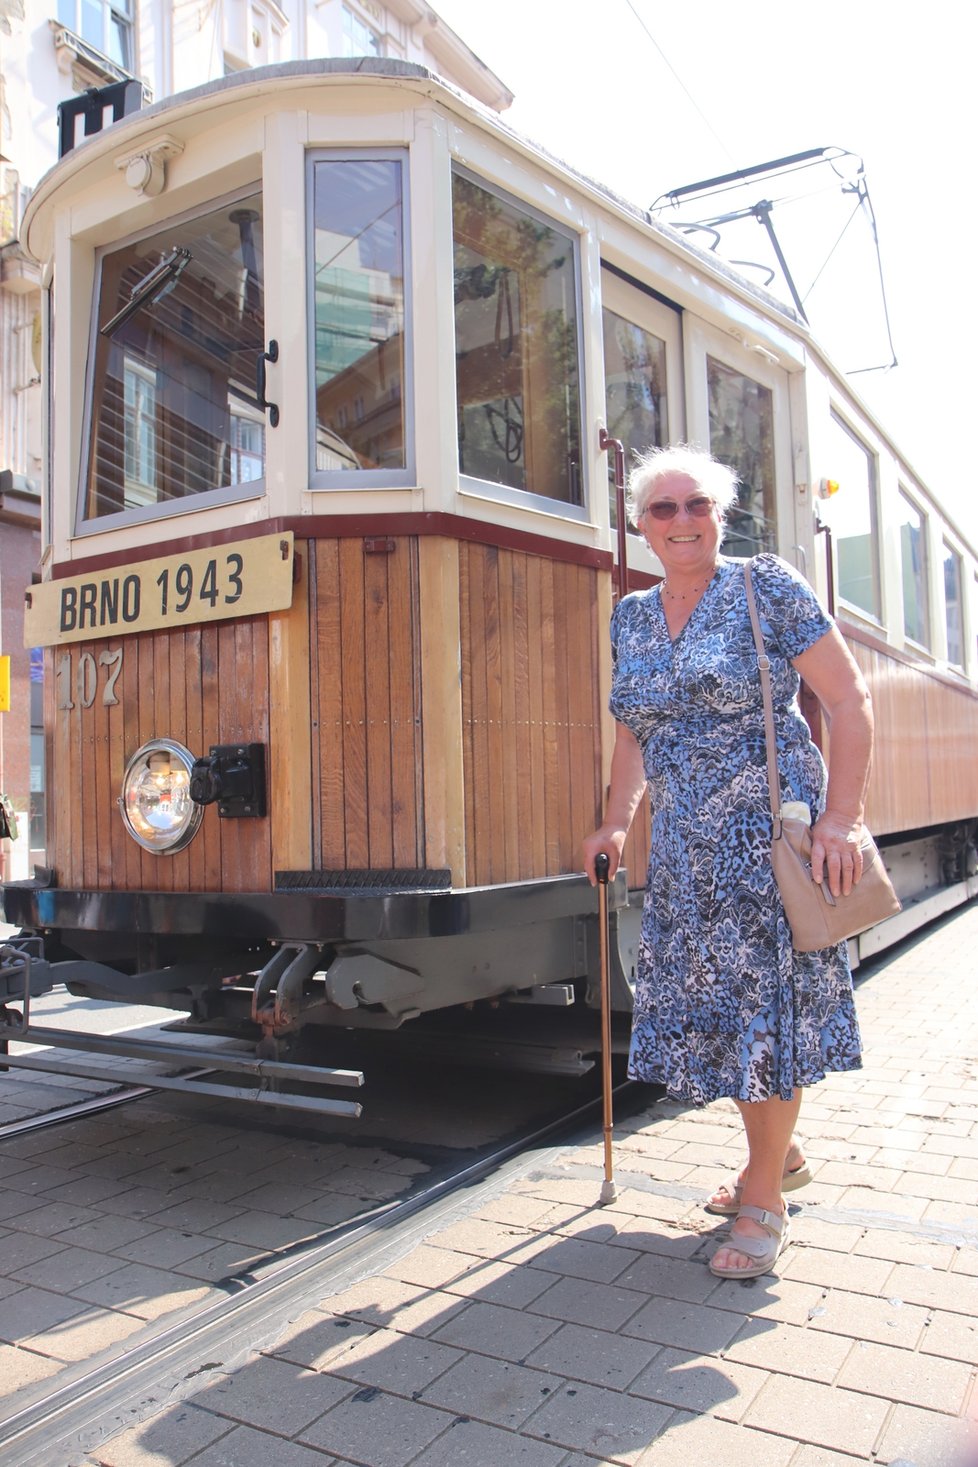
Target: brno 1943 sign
221,581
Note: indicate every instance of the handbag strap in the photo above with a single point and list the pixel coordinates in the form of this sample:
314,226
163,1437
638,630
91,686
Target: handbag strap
764,667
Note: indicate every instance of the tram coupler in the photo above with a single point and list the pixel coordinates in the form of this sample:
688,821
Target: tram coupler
24,974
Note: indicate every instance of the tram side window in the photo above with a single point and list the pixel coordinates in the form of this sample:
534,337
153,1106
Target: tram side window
359,314
851,514
516,346
913,555
953,607
742,436
180,325
635,389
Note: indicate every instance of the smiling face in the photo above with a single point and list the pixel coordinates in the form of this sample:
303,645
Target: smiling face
686,543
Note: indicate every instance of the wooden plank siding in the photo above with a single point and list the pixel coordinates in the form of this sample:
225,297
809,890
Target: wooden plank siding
924,769
531,713
367,748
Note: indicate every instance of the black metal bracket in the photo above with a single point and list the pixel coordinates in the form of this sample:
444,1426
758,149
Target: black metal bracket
266,356
233,777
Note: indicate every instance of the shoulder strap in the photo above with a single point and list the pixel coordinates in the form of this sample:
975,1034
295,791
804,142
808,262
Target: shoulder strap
764,667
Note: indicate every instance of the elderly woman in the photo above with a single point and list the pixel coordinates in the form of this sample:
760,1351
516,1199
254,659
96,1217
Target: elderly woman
723,1005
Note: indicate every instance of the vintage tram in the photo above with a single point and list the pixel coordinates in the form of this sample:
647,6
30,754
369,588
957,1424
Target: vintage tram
330,555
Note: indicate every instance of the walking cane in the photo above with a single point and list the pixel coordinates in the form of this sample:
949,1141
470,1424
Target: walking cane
601,867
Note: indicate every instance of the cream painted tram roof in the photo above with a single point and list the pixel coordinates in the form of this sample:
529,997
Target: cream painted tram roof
242,88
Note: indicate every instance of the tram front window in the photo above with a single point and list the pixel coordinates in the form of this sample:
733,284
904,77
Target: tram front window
359,310
516,346
179,330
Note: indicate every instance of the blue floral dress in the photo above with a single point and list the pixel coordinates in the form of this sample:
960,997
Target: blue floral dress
723,1005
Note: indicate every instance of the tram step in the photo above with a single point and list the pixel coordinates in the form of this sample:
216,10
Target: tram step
397,879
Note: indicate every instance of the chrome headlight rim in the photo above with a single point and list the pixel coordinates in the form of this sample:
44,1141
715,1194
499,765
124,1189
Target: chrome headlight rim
166,842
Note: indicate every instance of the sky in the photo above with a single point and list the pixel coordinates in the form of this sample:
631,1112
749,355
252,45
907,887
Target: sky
646,96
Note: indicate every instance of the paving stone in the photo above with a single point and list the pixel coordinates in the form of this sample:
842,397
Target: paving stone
890,1321
605,1306
820,1457
598,1262
370,1426
274,1395
473,1444
433,1266
398,1363
264,1230
20,1250
693,1441
65,1270
858,1274
194,1216
167,1440
226,1261
20,1368
593,1355
688,1326
699,1383
55,1218
408,1308
318,1340
905,1248
950,1291
790,1350
496,1391
105,1234
663,1239
140,1290
245,1447
483,1239
84,1335
676,1278
164,1247
822,1415
899,1375
954,1336
15,1204
501,1283
30,1311
590,1419
490,1329
925,1439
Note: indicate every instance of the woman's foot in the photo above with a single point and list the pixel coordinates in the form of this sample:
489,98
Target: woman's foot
727,1199
762,1235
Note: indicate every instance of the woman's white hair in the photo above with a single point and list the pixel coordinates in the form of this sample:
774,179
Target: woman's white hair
712,478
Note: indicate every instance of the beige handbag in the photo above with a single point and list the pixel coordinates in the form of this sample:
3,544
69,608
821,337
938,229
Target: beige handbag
817,918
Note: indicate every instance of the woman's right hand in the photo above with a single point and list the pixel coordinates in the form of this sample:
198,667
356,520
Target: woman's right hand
607,839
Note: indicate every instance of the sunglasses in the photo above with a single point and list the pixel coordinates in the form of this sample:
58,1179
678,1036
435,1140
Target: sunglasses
666,509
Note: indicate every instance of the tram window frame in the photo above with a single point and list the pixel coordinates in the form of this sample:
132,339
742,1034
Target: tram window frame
87,524
951,555
702,342
829,512
503,493
626,300
922,587
325,480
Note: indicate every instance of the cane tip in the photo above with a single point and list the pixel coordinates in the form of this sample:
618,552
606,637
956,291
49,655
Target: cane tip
609,1193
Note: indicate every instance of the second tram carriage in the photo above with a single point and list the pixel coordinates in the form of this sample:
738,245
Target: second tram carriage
330,553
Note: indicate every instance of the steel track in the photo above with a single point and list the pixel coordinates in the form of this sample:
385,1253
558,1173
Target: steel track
92,1403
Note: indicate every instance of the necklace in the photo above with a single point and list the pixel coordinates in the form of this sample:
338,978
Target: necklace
664,589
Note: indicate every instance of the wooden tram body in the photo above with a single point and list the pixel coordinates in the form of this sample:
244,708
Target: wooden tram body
387,648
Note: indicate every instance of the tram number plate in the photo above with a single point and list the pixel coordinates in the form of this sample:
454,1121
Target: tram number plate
221,581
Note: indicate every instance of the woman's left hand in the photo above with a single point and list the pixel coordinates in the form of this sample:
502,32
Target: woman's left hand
836,852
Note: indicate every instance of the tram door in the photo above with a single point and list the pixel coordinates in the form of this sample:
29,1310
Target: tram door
738,407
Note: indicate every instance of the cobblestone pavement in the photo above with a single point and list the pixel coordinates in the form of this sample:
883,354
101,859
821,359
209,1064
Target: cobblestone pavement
539,1330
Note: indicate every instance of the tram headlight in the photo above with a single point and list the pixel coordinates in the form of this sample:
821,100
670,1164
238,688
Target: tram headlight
155,801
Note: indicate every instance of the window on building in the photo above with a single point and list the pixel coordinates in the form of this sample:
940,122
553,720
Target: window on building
105,24
516,346
359,39
172,391
635,389
851,514
359,310
953,606
913,556
742,436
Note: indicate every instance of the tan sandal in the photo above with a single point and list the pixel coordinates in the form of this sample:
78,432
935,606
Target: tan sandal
790,1182
764,1251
